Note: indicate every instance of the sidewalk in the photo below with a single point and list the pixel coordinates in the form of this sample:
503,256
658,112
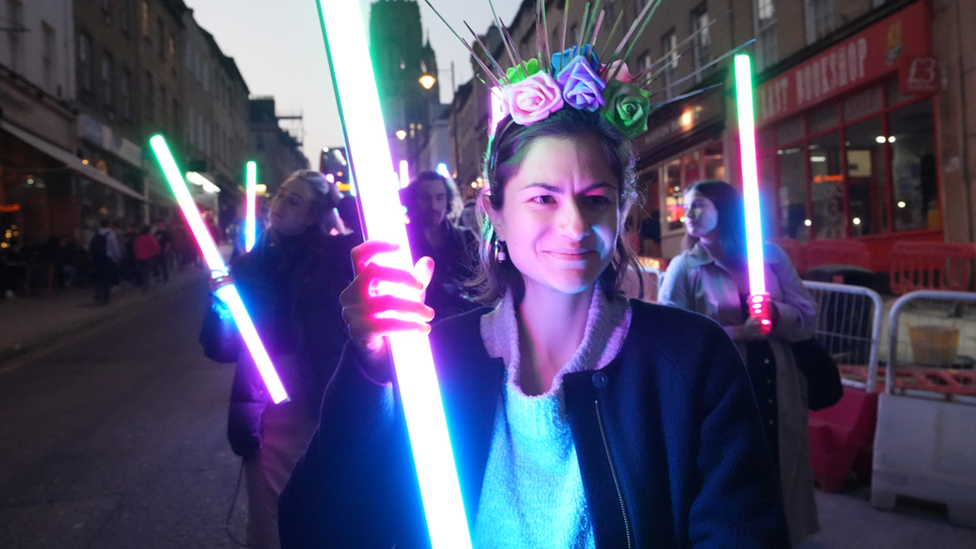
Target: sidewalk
28,323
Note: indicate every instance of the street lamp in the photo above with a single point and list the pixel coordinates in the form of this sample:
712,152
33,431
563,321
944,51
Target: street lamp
427,81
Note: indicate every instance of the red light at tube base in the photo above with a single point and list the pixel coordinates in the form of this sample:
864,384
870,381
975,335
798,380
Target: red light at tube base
228,294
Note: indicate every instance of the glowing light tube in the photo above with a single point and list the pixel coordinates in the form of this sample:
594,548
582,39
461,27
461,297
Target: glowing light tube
497,111
758,300
250,205
228,294
750,173
404,173
366,141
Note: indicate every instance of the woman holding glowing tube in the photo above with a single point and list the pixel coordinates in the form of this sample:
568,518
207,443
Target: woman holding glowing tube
578,418
290,282
711,278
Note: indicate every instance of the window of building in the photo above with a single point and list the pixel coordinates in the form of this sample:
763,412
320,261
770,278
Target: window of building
15,16
108,78
150,95
84,61
669,49
144,16
160,37
163,106
702,42
171,46
125,94
48,56
107,10
175,112
859,165
125,16
767,46
820,19
638,6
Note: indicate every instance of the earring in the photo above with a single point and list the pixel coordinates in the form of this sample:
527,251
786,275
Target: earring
500,251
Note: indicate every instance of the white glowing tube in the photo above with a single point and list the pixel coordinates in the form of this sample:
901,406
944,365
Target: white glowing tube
369,154
750,173
404,173
250,205
228,294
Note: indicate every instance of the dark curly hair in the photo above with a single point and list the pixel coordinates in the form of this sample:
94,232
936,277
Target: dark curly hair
506,152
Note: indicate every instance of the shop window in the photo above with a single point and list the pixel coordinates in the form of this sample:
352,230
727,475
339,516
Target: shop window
913,169
823,118
712,162
790,131
765,139
866,177
862,104
827,186
672,195
793,192
894,95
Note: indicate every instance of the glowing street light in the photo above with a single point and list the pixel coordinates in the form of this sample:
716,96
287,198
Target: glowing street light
371,163
427,81
228,294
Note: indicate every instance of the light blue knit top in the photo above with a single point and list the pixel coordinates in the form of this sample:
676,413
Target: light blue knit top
532,493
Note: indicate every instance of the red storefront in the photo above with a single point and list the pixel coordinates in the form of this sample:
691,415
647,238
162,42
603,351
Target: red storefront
847,139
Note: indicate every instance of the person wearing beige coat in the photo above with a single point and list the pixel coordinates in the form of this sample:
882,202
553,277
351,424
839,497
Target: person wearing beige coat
705,280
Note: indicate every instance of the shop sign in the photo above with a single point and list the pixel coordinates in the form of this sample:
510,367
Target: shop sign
919,75
103,136
866,56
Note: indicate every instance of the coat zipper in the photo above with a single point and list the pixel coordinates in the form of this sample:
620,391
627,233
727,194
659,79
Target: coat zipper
613,472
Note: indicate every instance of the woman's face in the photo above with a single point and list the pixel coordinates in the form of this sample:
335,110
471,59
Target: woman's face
701,216
560,214
291,208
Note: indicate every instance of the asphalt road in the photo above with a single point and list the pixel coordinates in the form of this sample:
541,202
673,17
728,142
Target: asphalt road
115,438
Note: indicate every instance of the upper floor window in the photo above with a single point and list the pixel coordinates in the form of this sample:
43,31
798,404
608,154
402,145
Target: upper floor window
84,61
702,38
144,17
820,19
108,78
669,47
767,47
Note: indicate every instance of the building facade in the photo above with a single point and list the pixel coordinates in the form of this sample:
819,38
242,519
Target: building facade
865,128
276,151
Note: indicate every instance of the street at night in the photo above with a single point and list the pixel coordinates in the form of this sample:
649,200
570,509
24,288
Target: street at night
115,437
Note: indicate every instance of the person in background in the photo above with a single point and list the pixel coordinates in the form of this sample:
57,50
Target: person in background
146,251
165,250
469,218
432,202
711,277
290,282
106,254
577,418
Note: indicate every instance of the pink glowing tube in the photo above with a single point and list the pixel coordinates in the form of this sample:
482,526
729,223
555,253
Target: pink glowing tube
250,205
228,294
366,140
758,298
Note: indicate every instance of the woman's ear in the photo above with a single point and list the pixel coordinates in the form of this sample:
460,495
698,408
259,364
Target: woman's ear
495,216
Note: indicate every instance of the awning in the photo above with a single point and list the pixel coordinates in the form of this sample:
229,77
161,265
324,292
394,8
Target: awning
70,160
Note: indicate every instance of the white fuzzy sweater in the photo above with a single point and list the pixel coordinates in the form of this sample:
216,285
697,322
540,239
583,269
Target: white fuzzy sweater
532,494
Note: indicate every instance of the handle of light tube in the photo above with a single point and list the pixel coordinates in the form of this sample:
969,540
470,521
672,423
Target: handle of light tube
215,262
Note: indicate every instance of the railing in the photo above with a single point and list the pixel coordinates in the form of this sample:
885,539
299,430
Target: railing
934,374
849,328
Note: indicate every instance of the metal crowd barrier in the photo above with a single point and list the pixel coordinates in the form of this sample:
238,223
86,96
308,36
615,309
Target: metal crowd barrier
849,327
926,429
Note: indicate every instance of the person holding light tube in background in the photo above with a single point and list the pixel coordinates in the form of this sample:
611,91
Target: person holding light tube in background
290,282
578,418
710,277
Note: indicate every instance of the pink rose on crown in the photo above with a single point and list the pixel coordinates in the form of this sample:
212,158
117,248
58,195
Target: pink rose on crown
532,99
623,73
582,88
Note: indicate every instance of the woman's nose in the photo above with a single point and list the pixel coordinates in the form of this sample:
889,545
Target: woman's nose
570,222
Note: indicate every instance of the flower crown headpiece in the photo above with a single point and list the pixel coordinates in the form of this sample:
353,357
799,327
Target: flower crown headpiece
533,89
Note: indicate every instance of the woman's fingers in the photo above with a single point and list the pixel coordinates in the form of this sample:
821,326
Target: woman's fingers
363,254
423,271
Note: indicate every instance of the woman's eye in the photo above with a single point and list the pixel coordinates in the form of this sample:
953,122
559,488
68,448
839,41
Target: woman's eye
544,199
598,200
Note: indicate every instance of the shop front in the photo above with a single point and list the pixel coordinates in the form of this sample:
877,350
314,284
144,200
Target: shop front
847,140
683,145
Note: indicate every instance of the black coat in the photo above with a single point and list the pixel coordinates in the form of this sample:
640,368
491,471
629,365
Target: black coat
668,437
291,290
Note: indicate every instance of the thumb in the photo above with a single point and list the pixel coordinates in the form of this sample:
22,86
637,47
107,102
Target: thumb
424,271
